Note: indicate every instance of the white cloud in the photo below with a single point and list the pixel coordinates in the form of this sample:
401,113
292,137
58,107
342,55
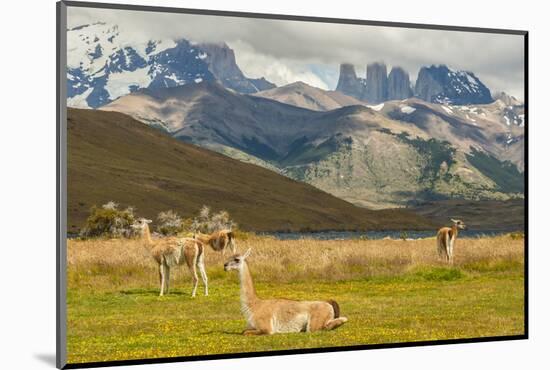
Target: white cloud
279,71
283,50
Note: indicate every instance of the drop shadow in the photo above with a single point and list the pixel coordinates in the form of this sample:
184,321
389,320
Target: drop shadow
47,358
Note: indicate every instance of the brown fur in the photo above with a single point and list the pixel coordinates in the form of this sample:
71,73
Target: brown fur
219,240
171,252
270,316
446,238
335,307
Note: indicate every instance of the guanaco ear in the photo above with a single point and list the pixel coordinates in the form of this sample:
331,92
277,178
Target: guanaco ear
454,221
247,253
148,221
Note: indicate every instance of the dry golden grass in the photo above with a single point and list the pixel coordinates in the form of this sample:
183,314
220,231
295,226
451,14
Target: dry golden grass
391,290
111,263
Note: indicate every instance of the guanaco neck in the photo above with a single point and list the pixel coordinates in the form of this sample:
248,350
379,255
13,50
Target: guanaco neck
248,293
146,235
454,231
205,239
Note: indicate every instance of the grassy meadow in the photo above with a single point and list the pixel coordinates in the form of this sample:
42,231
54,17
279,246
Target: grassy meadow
391,291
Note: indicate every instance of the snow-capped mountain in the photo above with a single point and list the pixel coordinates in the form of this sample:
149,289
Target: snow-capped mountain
440,84
434,84
512,110
104,63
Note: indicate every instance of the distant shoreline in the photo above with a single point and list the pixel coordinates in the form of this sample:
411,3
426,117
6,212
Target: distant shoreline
370,234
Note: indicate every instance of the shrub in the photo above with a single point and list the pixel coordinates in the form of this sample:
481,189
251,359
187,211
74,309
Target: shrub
109,221
169,223
242,235
207,222
517,235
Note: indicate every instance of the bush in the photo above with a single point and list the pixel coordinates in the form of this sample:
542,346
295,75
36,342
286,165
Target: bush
169,223
242,235
517,235
206,222
109,221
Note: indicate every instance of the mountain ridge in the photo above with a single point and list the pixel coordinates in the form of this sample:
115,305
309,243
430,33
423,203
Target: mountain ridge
105,63
113,157
383,156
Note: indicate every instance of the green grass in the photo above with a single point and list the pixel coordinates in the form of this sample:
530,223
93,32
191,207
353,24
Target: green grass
428,303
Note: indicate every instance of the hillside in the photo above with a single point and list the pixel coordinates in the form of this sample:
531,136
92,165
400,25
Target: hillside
380,156
480,215
113,157
303,95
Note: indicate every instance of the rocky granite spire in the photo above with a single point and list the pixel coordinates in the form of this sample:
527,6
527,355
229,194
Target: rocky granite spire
223,65
377,83
348,83
440,84
399,84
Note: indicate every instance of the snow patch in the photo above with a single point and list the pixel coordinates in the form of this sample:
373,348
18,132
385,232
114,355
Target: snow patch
447,109
175,78
118,83
377,108
521,120
471,79
407,110
79,101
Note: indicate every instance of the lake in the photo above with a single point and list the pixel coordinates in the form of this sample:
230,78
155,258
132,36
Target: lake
347,235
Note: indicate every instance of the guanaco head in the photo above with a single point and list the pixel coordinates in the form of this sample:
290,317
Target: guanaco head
140,224
236,261
461,225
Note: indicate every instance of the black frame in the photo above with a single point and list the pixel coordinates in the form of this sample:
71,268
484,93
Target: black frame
61,193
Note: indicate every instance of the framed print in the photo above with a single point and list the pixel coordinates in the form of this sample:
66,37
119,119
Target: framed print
238,184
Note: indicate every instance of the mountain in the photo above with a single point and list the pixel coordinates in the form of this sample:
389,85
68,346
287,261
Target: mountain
483,127
113,157
434,84
104,63
349,83
399,84
209,115
303,95
440,84
392,154
507,99
376,89
510,109
221,62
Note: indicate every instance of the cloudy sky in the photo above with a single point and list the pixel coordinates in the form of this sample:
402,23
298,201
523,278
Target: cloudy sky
286,51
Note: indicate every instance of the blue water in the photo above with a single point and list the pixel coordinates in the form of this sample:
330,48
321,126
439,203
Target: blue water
347,235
